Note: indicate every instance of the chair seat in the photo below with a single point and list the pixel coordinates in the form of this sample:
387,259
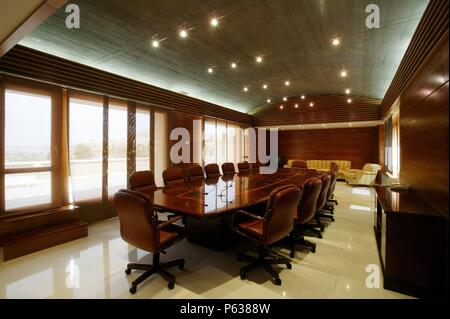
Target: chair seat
253,227
170,234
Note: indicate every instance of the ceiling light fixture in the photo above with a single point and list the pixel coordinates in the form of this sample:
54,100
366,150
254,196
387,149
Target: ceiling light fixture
343,73
214,22
245,89
285,99
233,65
269,100
259,59
311,104
155,43
210,70
287,83
183,33
265,86
296,106
349,101
281,107
336,41
347,91
303,97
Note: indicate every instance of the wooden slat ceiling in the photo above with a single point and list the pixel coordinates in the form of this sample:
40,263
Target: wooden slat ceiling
293,36
432,27
33,64
326,109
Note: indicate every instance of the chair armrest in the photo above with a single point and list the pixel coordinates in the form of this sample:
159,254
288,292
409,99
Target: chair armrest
169,222
243,212
369,173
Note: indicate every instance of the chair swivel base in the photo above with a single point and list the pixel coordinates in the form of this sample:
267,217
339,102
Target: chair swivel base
156,268
262,261
301,241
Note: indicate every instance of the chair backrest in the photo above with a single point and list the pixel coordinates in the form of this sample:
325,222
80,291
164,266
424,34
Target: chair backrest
299,164
212,171
280,212
333,181
143,182
228,168
334,167
244,167
326,180
308,204
195,173
138,221
373,168
173,176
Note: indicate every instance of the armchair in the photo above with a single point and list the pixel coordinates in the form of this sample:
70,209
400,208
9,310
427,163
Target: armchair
365,176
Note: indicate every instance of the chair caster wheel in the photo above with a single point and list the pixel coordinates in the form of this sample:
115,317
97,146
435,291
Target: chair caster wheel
181,266
132,290
243,276
128,271
292,254
171,285
278,282
289,266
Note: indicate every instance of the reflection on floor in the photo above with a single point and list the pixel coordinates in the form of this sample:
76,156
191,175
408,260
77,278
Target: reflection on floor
93,267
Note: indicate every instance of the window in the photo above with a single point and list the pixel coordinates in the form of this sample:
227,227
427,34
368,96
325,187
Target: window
117,147
28,157
86,148
143,140
224,142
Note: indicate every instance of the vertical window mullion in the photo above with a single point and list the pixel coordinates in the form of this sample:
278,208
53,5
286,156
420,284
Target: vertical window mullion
152,140
105,149
131,140
2,147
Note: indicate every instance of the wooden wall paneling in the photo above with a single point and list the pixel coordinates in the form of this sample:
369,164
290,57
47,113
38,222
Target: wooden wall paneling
26,62
358,145
431,29
326,109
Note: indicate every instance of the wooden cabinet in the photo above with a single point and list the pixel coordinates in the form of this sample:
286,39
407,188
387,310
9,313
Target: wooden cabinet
412,240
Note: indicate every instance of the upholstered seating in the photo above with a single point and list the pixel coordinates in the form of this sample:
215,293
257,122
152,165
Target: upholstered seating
244,167
228,169
365,176
195,173
299,164
143,182
324,166
173,176
212,171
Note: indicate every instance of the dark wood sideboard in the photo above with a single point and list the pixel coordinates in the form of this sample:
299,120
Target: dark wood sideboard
412,240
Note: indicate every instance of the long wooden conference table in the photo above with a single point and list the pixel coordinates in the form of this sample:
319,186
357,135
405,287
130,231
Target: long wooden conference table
207,206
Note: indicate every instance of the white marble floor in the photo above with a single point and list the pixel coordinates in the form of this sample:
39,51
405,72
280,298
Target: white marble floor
93,267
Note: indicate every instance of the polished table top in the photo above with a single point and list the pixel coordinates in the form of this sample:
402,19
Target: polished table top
225,194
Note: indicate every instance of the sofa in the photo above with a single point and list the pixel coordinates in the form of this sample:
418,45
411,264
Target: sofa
324,166
363,177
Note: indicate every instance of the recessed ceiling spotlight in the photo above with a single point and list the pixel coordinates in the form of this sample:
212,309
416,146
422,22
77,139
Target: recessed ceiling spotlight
233,65
343,73
155,43
259,59
296,106
347,91
281,107
265,86
349,101
210,70
269,100
245,89
183,33
311,104
287,83
336,41
303,97
214,22
285,99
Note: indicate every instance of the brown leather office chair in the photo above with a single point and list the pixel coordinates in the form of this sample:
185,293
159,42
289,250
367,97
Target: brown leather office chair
228,169
321,201
333,167
194,173
276,224
139,226
244,167
212,171
143,182
306,211
173,176
329,203
299,164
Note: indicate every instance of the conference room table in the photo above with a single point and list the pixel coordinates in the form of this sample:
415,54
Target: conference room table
207,206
